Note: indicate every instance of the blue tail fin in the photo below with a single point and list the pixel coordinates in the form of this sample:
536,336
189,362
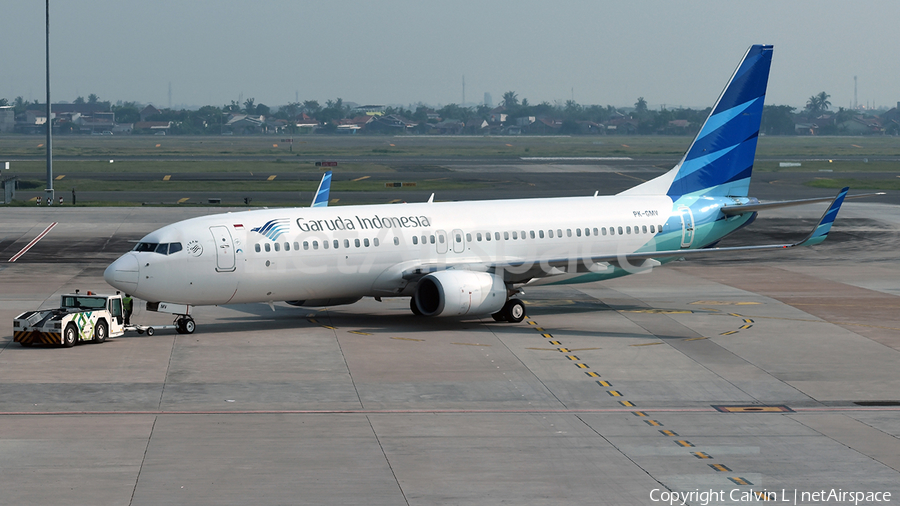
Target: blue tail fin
321,197
720,160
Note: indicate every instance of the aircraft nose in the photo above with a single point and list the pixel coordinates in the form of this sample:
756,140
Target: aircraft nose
123,273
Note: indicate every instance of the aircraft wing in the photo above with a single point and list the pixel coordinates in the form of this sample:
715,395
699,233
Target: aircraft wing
521,270
321,198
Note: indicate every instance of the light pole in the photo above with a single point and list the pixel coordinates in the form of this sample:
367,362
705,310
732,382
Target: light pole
49,190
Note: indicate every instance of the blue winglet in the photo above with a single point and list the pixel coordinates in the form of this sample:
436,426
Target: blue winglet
321,198
821,231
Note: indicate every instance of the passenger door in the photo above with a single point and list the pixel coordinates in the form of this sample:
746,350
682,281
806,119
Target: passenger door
224,248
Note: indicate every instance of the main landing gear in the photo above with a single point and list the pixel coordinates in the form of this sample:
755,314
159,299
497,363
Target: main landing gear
184,324
513,312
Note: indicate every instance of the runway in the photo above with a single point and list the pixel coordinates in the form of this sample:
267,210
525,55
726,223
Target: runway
758,374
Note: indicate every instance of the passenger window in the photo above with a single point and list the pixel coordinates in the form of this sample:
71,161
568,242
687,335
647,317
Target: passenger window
531,233
296,245
396,241
559,233
468,237
578,232
644,229
175,247
375,241
568,232
256,247
277,247
620,230
415,239
268,248
652,231
478,236
356,242
366,242
603,230
305,245
612,231
315,244
550,234
458,238
325,244
287,246
541,233
515,235
441,239
487,236
497,236
659,228
505,236
432,239
334,243
346,243
595,231
522,236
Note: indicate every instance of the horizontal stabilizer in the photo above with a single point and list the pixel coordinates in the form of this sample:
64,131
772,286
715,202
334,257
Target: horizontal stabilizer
749,208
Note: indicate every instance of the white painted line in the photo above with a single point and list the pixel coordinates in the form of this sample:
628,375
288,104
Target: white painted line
32,243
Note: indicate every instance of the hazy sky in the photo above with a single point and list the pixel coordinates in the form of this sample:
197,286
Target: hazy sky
409,51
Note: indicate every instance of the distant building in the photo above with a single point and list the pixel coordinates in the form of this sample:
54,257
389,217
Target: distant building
7,119
149,112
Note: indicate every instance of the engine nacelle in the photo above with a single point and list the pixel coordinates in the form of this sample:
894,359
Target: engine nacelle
323,302
456,293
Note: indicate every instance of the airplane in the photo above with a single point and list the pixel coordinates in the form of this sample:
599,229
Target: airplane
470,258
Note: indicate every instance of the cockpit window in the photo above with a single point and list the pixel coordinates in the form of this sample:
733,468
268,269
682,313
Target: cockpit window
163,249
146,246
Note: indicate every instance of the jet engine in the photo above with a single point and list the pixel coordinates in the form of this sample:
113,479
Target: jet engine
457,292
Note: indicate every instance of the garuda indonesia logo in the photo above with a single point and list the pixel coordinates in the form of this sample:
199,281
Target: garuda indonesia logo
273,229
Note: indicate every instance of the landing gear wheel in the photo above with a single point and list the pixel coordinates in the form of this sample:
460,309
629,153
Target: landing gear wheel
499,316
70,336
185,325
413,307
150,331
100,332
513,311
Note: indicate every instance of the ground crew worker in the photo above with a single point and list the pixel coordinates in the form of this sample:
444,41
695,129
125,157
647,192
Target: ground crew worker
128,305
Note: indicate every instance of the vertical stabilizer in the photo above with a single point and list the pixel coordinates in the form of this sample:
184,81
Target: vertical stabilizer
720,160
321,198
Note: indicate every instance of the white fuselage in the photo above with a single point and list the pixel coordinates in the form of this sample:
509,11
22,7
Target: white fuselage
356,251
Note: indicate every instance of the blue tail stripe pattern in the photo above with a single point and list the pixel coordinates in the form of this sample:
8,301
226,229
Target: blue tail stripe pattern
720,160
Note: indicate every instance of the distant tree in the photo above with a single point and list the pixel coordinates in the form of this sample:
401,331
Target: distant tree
817,104
640,107
127,113
525,103
263,110
510,99
454,111
4,102
93,99
311,107
249,106
19,105
78,100
234,106
777,120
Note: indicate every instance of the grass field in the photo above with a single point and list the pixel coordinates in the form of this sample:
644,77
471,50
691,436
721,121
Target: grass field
325,146
246,162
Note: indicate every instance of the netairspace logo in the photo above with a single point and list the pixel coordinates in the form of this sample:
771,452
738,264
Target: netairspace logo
784,496
273,229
